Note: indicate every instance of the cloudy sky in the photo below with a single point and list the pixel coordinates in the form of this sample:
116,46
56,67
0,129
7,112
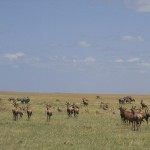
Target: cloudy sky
75,46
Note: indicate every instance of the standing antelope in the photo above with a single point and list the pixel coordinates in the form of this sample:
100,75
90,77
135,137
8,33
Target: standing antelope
70,109
75,110
85,101
15,111
143,105
126,116
49,112
137,118
145,115
29,112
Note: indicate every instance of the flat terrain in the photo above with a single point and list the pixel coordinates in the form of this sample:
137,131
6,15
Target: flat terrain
88,131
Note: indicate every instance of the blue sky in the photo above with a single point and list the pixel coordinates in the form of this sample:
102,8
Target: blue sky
75,46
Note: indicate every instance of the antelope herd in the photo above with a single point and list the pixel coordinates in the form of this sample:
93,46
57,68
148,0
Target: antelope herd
24,100
134,116
18,111
72,109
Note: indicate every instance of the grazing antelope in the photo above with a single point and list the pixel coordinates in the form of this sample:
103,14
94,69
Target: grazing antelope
104,106
29,112
49,112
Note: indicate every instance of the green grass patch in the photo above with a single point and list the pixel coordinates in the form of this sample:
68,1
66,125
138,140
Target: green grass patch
86,132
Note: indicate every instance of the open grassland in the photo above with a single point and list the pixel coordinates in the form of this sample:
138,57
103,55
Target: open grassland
89,131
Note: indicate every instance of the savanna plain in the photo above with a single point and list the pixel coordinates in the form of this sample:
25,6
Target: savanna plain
88,131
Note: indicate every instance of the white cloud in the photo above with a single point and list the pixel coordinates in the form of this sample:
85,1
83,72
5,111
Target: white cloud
119,61
135,63
131,60
53,58
145,64
76,60
139,5
13,56
84,44
89,60
132,38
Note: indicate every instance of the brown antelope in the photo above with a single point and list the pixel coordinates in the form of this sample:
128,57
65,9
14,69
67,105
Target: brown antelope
70,109
29,112
122,115
15,114
20,113
126,116
75,110
145,115
137,118
49,112
143,105
15,111
85,101
104,105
